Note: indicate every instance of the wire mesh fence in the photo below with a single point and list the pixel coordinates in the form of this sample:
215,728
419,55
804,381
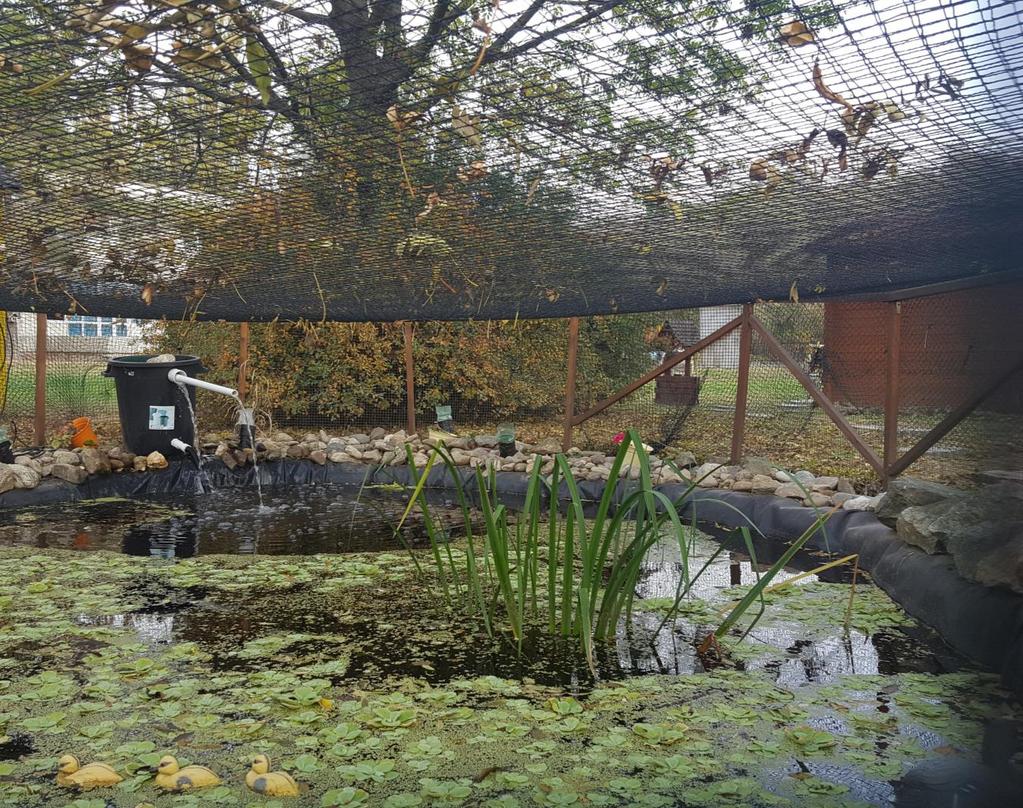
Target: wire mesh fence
351,377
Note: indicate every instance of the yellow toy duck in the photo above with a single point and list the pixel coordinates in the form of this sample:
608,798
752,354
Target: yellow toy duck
171,777
271,784
71,774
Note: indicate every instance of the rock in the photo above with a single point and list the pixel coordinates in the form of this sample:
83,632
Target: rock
372,456
460,456
548,446
841,497
340,457
397,438
485,441
790,490
817,500
860,504
353,453
758,465
66,457
323,436
710,481
419,459
318,456
762,484
8,479
161,359
282,437
155,460
309,437
685,460
120,453
297,451
226,455
140,463
904,492
983,532
95,460
377,433
923,526
821,483
29,462
65,471
274,450
116,465
359,437
744,485
844,486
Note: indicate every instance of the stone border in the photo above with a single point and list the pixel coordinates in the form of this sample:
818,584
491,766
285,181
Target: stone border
982,623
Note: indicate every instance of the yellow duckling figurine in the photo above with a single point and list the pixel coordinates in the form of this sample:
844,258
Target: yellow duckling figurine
72,774
171,777
271,784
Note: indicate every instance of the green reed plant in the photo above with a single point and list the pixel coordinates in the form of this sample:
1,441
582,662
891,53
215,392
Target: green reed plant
592,567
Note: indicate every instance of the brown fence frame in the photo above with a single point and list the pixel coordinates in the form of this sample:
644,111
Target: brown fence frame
886,467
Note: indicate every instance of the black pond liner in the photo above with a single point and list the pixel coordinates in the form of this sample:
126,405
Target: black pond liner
983,623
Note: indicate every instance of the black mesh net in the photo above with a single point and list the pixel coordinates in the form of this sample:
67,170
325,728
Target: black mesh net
380,160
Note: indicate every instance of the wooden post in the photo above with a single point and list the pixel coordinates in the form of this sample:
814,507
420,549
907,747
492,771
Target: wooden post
950,421
742,390
410,381
573,351
891,385
823,401
39,432
243,360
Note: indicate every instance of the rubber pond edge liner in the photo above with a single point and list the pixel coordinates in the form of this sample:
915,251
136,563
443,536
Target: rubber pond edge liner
982,623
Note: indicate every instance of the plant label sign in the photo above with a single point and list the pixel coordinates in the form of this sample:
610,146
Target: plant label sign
161,417
443,412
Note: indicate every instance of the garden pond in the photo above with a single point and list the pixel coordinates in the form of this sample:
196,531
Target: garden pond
207,628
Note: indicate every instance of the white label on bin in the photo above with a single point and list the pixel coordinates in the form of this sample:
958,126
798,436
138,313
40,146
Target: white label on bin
161,417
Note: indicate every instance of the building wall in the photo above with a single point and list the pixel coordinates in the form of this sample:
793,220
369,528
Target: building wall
725,352
952,346
78,336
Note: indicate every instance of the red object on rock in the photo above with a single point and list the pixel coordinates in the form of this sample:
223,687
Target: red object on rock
617,439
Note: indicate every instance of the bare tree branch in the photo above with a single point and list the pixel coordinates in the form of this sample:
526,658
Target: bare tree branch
298,13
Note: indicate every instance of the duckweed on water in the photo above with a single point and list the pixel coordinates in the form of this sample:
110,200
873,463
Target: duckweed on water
247,656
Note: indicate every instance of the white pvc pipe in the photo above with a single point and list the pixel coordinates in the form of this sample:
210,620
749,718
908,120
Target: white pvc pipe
179,376
180,445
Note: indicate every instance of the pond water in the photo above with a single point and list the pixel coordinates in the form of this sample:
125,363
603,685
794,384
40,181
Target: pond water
213,629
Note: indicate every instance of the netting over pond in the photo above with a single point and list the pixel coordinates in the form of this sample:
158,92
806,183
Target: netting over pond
221,159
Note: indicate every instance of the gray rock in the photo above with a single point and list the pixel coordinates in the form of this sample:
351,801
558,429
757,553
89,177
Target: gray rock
841,497
282,437
860,504
336,445
355,454
340,457
29,462
297,450
324,437
226,455
318,456
706,468
743,485
817,500
924,526
274,450
984,534
310,437
95,460
790,490
685,460
820,483
844,486
8,479
758,465
65,471
377,433
372,456
904,492
548,446
66,457
762,484
486,441
359,437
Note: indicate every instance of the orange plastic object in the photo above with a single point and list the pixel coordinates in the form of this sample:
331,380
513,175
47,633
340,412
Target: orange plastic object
84,433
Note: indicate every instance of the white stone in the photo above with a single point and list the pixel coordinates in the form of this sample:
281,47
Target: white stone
861,504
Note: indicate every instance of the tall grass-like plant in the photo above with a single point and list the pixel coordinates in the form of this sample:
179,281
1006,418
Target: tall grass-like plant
587,581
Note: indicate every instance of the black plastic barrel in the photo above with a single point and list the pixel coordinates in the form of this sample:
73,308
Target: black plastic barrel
153,409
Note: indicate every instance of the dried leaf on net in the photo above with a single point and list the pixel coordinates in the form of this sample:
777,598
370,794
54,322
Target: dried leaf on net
796,34
401,120
138,57
466,126
712,175
839,139
661,168
480,23
476,170
824,91
531,190
761,170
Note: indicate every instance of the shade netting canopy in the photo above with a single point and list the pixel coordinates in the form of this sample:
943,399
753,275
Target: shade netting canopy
435,159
